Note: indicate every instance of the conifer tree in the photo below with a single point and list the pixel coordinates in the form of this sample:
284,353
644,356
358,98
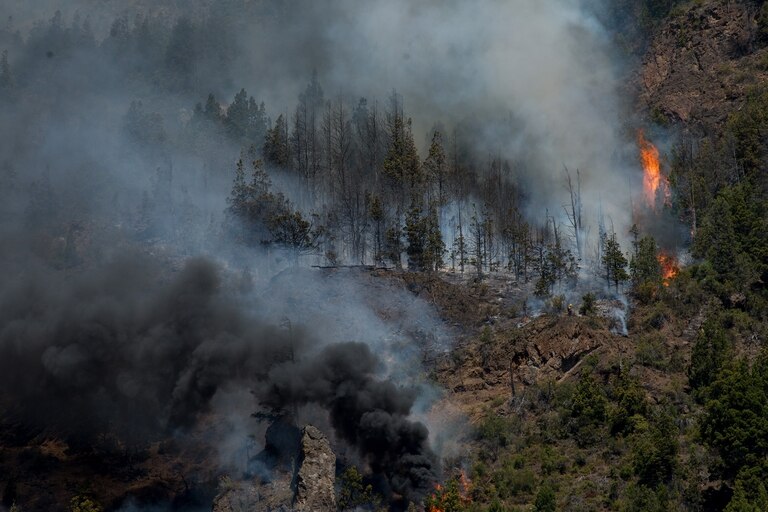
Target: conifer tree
416,236
237,118
644,265
434,171
276,149
460,249
614,261
435,246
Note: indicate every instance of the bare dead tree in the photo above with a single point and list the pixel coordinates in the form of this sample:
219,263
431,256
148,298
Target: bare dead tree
574,215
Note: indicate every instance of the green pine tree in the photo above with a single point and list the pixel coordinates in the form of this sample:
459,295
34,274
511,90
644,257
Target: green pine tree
614,261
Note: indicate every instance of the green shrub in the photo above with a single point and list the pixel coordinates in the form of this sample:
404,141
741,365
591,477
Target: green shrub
517,482
545,499
657,317
710,352
588,304
84,504
641,498
495,432
558,303
654,451
650,352
353,493
631,405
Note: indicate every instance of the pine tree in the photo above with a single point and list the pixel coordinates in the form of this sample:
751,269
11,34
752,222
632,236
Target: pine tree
294,232
257,123
401,164
416,236
354,494
276,149
237,118
435,246
460,249
434,170
393,245
305,137
238,197
717,238
181,56
644,265
212,109
614,261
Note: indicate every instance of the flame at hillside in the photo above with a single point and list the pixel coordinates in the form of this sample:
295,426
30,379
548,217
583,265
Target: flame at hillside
669,267
653,180
456,491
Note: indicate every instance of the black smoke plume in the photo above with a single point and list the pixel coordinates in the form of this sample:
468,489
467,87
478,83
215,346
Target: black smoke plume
367,413
127,350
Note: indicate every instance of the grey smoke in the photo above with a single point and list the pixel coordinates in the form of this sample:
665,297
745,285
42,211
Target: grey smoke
547,63
114,342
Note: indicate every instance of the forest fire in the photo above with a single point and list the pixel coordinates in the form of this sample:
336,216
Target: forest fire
669,267
456,491
653,180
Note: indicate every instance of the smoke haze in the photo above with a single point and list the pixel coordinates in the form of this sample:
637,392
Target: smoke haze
126,309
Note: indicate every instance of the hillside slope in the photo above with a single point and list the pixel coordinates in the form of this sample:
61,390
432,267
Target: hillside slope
701,63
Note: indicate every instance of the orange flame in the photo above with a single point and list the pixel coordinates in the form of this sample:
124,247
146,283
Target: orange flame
466,484
652,177
669,268
443,496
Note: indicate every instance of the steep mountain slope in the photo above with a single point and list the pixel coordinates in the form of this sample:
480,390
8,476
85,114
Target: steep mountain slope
701,63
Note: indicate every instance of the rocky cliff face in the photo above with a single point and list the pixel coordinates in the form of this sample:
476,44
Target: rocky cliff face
701,64
315,481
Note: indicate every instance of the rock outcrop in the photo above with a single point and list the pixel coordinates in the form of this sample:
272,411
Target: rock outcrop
315,481
237,498
701,64
310,489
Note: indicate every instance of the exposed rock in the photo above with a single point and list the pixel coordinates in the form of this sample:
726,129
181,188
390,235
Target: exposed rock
237,498
315,481
255,496
311,488
701,64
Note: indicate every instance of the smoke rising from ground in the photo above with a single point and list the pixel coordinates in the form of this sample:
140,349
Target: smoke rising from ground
93,341
128,351
538,74
546,64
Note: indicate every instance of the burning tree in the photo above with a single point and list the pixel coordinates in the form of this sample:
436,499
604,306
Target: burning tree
452,497
614,261
654,183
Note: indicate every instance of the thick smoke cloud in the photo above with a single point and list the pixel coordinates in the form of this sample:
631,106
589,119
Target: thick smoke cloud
93,342
125,350
367,413
113,350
